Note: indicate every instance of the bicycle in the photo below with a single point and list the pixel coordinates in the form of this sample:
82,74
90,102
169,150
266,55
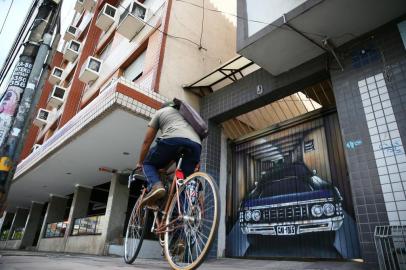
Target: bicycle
185,223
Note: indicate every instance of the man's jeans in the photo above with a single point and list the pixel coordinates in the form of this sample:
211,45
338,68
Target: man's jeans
165,151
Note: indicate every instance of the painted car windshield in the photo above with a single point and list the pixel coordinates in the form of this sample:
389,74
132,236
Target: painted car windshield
290,179
282,187
285,171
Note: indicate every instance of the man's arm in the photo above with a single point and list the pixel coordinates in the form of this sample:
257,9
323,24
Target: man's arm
148,139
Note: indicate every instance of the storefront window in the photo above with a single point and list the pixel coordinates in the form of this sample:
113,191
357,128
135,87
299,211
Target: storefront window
88,226
4,235
18,233
56,229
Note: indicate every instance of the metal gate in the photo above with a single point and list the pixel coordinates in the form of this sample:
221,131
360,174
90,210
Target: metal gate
289,194
390,242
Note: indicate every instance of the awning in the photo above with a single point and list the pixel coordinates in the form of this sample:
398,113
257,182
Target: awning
298,35
232,71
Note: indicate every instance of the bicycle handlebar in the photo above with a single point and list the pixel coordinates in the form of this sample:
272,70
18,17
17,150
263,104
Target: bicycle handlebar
111,170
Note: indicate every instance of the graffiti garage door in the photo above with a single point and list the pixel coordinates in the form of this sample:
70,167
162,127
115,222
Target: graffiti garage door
290,196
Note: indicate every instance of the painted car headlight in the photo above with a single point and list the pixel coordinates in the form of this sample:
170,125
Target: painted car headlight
317,210
256,215
248,215
328,209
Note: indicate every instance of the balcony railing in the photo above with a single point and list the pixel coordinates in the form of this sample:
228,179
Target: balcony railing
88,226
56,229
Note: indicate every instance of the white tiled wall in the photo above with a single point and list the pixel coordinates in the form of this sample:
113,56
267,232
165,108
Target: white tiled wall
387,145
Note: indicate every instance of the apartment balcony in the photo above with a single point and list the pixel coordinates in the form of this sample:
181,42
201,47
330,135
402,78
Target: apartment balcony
132,20
123,49
280,35
79,6
107,16
56,75
57,97
107,132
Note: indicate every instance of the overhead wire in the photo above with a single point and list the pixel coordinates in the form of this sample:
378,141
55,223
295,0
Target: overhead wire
22,35
5,20
201,31
170,35
249,20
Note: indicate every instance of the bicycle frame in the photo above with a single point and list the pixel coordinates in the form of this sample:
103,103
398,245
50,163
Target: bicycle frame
177,181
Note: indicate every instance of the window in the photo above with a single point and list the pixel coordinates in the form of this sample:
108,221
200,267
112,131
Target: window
88,225
56,229
134,70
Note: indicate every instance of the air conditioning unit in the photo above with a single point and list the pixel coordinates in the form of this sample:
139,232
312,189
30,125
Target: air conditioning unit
89,4
43,116
71,50
106,17
79,6
71,33
90,70
56,75
57,96
132,20
35,147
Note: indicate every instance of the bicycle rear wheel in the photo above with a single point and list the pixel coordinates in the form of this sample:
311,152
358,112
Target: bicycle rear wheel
192,223
135,233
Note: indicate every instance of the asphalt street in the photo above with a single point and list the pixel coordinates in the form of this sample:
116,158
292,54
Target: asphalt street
23,260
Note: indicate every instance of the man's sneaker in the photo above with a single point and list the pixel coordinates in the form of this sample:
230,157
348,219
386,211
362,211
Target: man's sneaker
157,192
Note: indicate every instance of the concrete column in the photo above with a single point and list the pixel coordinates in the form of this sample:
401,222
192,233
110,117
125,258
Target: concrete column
32,225
20,218
210,162
221,235
78,209
5,224
2,220
115,211
55,212
6,220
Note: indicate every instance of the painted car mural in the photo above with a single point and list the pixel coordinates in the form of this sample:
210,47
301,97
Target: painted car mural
291,200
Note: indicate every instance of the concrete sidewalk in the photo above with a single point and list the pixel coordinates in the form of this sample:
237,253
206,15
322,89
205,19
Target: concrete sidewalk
23,260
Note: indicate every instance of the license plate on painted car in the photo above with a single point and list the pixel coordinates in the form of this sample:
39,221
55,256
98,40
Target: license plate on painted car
286,230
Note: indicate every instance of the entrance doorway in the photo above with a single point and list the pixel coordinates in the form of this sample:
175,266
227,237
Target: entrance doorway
288,192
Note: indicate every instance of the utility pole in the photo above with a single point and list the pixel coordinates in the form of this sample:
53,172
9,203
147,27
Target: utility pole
22,93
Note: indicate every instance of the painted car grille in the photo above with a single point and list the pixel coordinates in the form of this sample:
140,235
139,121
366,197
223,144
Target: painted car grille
285,213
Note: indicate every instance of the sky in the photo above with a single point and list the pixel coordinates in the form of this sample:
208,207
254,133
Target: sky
13,23
18,11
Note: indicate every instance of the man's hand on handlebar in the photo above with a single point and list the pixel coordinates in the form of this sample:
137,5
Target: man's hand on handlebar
135,174
138,167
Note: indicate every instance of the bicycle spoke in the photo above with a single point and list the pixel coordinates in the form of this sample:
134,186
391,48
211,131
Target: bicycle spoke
135,233
203,242
199,210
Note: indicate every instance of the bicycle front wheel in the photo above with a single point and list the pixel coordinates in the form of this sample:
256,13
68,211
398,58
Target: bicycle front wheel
192,222
135,233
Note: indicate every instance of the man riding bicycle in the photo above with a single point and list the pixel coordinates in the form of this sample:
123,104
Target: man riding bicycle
176,133
187,222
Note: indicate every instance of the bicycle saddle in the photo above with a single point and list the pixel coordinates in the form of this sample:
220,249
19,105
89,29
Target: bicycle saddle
183,150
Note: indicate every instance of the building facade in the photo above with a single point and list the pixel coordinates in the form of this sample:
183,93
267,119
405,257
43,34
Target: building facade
311,143
307,126
120,60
